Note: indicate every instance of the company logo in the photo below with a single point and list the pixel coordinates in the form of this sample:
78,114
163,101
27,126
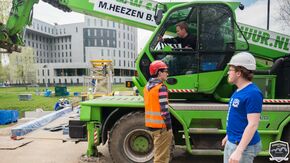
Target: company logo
236,103
279,151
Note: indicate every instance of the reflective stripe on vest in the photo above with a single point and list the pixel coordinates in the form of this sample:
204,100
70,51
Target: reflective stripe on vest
153,116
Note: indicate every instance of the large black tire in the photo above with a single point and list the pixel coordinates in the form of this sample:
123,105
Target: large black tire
130,141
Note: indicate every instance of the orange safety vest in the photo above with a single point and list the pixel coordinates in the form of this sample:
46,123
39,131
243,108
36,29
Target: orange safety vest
153,118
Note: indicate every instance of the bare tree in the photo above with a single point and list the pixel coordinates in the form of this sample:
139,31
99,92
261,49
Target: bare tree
4,74
5,9
285,11
21,66
5,6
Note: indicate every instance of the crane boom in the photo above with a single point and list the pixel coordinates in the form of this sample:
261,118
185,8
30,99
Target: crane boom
136,13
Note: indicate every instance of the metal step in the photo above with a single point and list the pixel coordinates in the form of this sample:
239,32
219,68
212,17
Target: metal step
206,131
208,152
217,152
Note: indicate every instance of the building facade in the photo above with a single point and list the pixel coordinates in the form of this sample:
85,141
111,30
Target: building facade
63,52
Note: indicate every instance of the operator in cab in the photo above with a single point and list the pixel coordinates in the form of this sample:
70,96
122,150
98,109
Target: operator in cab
186,39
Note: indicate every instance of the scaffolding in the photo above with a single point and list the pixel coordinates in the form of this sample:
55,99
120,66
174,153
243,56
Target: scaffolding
100,79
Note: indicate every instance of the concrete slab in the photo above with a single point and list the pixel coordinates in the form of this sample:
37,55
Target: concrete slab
45,147
8,144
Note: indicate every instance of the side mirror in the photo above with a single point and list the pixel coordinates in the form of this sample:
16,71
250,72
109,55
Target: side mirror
158,16
241,6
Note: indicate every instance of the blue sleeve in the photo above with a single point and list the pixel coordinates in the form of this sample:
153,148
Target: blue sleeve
254,102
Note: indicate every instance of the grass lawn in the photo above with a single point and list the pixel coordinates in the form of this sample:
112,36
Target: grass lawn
9,97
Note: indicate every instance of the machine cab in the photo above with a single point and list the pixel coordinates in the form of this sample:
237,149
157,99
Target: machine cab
197,69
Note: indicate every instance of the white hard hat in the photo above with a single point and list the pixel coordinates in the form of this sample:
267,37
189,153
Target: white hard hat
244,59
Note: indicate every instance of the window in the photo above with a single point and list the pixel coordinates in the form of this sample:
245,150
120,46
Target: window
88,21
213,27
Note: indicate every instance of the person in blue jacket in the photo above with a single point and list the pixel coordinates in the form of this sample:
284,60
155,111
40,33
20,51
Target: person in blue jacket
59,104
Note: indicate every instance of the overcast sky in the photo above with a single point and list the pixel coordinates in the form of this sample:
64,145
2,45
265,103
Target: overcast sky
255,13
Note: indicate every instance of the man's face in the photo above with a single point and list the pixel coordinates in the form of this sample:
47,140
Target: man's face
163,75
181,32
233,75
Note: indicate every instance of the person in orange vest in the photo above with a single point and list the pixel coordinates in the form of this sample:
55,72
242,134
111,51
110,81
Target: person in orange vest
157,115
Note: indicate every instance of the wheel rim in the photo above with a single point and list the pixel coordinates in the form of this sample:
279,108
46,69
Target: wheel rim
138,145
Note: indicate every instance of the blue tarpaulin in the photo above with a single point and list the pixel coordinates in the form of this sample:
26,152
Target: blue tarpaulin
8,116
37,123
